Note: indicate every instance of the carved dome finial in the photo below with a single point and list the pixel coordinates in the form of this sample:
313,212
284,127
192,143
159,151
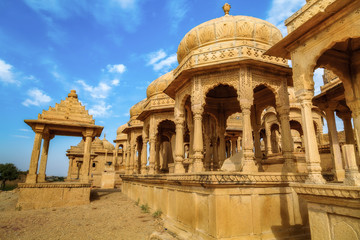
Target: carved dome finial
72,94
226,9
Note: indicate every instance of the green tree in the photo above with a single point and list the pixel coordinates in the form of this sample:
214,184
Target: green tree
8,172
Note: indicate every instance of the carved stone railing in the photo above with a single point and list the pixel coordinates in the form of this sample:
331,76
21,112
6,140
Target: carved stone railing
54,185
327,190
219,178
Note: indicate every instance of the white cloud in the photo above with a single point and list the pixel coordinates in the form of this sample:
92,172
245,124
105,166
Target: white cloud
115,82
166,63
110,13
6,73
177,10
100,110
156,56
160,61
24,130
36,98
100,91
116,68
21,136
281,10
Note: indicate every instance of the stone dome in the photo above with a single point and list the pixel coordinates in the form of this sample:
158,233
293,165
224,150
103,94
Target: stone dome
108,145
120,129
137,108
215,33
97,144
159,85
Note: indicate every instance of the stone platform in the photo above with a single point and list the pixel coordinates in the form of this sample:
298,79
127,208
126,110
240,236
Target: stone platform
334,210
224,205
45,195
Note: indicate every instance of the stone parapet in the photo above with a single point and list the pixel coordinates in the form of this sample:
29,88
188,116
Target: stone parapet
213,179
334,210
46,195
328,190
223,206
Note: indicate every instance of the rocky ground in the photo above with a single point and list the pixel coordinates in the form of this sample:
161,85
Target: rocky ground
110,215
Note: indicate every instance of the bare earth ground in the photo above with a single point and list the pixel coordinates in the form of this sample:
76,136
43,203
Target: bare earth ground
110,215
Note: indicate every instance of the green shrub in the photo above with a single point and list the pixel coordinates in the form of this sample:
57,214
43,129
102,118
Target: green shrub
145,208
157,214
137,202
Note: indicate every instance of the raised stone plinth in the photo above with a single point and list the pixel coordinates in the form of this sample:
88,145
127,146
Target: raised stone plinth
223,205
46,195
334,210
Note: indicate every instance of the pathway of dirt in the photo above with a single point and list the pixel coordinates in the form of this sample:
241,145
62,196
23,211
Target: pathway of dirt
110,215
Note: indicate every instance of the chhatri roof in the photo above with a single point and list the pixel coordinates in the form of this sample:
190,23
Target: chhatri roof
159,85
220,33
137,108
68,118
69,110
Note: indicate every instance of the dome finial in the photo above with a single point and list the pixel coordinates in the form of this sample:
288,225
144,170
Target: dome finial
72,94
226,9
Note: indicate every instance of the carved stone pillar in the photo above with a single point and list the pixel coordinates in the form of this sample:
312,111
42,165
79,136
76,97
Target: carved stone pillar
268,138
249,164
71,167
233,146
157,156
88,134
179,146
133,158
222,145
198,141
207,160
286,139
311,147
352,175
257,144
215,158
338,166
144,156
152,155
34,161
44,157
349,132
238,142
127,164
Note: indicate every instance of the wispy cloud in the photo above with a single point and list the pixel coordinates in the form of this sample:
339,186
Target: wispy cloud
177,10
282,9
116,68
36,98
100,91
115,82
160,61
102,109
20,136
156,56
24,130
6,73
110,13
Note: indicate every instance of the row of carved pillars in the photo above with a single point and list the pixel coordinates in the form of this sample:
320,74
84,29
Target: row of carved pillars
42,135
311,146
247,140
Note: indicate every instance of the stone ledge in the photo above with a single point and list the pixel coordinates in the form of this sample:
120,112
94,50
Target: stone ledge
54,185
328,190
220,178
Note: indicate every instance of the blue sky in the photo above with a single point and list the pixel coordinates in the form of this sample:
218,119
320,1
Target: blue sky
109,51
